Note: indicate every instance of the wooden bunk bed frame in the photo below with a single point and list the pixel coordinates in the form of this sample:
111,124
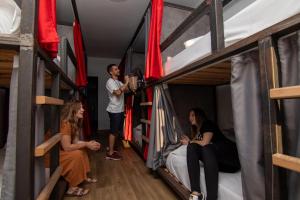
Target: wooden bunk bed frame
30,86
215,69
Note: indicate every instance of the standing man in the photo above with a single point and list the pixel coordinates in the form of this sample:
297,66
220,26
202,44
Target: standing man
115,108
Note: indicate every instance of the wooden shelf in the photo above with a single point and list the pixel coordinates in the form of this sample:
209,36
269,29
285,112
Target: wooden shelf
145,138
46,192
287,162
146,104
285,92
44,100
43,148
146,121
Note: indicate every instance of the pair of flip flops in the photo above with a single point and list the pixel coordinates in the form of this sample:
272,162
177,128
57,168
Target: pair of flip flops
91,180
77,192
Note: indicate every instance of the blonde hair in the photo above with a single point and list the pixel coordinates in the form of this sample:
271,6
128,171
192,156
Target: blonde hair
68,114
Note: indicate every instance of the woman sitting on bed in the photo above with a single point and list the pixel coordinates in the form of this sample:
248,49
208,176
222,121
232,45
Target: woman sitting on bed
73,156
216,152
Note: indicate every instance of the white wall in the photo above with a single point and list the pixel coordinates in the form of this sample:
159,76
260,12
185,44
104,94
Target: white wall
97,67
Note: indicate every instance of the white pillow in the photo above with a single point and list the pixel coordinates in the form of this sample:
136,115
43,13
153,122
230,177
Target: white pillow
10,17
190,42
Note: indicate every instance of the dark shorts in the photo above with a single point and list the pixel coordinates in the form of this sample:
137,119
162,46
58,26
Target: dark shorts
116,123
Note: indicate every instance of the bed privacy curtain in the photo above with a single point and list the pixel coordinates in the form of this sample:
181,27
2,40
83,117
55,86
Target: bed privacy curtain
245,92
47,30
165,130
154,67
289,55
9,166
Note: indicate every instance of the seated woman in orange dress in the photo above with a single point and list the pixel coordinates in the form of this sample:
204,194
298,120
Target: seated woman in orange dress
73,157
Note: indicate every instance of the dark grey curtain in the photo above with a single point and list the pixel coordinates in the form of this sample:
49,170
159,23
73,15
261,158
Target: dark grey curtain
165,129
9,167
245,91
128,64
289,55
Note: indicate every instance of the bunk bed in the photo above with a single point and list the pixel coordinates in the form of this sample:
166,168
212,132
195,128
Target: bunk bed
30,74
243,24
209,60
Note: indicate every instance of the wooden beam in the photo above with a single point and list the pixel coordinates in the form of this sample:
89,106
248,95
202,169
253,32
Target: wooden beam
146,104
44,100
146,121
43,148
46,192
176,186
285,92
287,162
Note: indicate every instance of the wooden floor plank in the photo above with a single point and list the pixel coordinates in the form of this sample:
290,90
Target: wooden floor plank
127,179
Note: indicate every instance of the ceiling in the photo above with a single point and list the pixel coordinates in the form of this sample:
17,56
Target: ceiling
109,25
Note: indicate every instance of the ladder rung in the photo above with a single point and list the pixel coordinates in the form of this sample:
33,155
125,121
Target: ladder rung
44,100
47,190
285,161
145,138
43,148
146,104
145,121
285,92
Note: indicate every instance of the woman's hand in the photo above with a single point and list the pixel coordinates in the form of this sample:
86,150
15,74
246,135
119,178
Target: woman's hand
200,142
185,140
93,145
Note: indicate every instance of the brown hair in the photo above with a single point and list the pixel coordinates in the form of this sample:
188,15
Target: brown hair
200,117
68,114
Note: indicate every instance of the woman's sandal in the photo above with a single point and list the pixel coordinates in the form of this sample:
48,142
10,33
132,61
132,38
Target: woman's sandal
77,192
91,180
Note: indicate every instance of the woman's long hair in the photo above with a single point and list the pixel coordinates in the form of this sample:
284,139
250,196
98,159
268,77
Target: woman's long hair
200,116
68,114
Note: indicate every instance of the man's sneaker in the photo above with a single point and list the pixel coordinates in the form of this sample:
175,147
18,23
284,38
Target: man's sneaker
196,197
113,156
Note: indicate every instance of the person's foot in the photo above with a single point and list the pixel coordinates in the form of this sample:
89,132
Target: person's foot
91,180
113,156
77,192
198,196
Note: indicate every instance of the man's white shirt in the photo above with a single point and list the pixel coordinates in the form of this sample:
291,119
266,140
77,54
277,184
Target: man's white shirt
116,103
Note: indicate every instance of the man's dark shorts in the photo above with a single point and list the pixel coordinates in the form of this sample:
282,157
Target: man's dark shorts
116,123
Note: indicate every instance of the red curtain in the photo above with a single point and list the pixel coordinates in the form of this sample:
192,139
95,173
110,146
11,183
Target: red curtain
81,75
47,30
154,69
128,119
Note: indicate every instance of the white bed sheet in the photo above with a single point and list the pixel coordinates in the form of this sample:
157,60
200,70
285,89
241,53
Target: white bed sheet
230,184
256,17
10,17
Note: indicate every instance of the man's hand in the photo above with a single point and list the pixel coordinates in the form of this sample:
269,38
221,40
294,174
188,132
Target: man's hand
126,80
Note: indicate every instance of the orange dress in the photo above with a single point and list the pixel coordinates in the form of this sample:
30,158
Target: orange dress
75,164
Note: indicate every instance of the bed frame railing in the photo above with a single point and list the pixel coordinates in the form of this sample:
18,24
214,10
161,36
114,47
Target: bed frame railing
30,101
213,8
271,91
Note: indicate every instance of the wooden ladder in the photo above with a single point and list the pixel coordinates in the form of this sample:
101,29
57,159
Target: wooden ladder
272,94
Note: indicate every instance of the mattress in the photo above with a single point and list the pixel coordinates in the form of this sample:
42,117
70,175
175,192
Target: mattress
256,17
10,17
230,184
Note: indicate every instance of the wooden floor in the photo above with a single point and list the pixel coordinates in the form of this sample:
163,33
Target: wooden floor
127,179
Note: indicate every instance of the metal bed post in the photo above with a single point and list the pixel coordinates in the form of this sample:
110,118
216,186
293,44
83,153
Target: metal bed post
26,99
